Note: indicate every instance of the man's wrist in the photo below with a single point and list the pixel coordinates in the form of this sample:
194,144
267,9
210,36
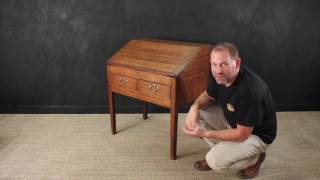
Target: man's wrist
209,134
205,134
195,106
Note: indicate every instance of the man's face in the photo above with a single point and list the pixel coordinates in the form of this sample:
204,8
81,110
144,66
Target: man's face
224,69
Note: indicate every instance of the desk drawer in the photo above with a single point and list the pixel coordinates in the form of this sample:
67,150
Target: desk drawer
154,90
147,76
134,84
122,82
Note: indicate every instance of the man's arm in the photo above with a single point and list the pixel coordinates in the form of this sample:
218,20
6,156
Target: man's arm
201,102
240,133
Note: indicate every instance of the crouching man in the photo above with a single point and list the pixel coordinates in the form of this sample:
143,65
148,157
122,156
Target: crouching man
235,116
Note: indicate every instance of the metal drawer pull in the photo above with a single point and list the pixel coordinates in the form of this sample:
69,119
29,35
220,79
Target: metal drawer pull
123,81
154,88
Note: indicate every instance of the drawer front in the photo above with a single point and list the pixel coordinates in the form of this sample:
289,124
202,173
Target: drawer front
147,76
122,82
154,90
132,83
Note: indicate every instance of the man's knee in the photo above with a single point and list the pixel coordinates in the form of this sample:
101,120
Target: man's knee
217,162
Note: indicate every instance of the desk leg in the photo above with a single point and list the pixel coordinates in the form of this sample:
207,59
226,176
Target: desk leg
112,112
173,119
145,110
173,133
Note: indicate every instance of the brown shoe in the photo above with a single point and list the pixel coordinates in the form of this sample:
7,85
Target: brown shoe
252,171
201,165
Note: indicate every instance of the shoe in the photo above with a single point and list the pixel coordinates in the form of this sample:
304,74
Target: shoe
252,171
201,165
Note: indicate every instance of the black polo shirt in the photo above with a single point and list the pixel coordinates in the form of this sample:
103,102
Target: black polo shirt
248,101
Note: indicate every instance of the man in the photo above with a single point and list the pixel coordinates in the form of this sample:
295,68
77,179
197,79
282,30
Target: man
235,115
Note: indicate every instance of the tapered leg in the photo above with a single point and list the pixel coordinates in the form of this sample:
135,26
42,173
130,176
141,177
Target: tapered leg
112,112
145,110
173,119
173,133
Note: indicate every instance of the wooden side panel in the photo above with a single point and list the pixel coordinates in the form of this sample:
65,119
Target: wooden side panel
200,63
192,87
194,78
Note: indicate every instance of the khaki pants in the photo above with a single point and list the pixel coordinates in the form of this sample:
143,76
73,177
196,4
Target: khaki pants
228,155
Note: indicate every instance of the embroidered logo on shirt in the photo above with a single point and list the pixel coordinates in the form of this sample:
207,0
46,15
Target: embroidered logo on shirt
230,107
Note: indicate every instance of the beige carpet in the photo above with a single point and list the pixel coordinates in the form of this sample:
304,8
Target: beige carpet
82,147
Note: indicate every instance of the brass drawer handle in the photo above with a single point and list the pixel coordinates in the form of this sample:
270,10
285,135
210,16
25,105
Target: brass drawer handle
154,88
123,81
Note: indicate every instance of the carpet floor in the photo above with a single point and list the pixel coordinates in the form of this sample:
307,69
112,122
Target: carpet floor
80,146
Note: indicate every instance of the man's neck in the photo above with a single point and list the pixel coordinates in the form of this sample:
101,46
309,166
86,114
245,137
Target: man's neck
233,80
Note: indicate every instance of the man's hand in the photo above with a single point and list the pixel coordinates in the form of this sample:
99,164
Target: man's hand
196,131
201,102
192,117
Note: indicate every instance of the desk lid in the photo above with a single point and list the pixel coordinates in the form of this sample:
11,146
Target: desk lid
164,57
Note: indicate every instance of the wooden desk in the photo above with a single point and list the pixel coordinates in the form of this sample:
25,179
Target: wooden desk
165,73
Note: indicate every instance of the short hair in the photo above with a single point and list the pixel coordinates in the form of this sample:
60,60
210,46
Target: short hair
221,46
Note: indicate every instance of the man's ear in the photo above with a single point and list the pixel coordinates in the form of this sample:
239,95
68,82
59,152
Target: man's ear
238,62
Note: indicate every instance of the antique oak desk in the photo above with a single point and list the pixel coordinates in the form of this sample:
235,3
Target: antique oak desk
165,73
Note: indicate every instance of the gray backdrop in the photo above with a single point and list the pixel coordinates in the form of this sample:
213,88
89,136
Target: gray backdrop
53,52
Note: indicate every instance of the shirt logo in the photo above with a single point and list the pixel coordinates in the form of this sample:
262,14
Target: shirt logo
230,107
